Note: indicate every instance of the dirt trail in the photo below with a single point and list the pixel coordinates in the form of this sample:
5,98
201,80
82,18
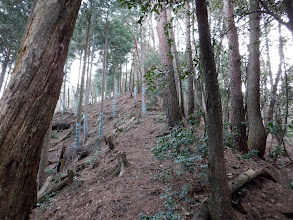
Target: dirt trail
97,194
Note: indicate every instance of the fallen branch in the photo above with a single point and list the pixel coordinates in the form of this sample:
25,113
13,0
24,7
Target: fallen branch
235,184
124,126
58,186
52,162
57,148
45,185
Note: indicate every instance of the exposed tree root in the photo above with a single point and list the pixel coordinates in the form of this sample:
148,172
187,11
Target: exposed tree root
234,185
57,187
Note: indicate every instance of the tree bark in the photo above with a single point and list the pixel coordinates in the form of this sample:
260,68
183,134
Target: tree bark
277,79
237,107
189,62
81,95
104,79
29,101
171,104
257,134
220,199
175,60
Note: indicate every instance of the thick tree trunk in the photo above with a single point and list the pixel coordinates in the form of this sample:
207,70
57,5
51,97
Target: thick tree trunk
189,62
171,104
220,200
257,134
237,107
28,104
176,64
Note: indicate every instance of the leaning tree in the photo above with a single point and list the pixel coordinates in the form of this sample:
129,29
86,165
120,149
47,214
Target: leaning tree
28,104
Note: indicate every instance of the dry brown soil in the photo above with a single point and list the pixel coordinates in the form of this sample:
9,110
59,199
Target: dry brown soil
97,194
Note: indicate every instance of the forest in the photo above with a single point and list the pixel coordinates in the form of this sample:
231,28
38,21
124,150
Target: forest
146,109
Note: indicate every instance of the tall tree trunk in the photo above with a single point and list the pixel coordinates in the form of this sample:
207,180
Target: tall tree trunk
29,102
91,74
273,100
176,63
137,60
152,32
81,94
104,85
171,104
189,62
237,107
220,207
4,68
64,90
257,134
143,99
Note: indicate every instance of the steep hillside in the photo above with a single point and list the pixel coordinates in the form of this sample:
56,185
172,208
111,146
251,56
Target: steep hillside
97,193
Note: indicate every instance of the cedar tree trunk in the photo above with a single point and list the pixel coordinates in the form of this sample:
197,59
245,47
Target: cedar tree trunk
257,134
171,104
188,55
220,206
28,104
237,108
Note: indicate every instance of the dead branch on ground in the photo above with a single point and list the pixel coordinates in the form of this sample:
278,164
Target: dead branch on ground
234,185
58,186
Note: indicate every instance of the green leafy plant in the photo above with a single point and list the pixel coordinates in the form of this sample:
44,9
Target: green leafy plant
171,203
249,155
230,135
195,118
53,135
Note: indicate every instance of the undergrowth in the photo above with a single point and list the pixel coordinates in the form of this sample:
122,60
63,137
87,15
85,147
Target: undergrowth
185,152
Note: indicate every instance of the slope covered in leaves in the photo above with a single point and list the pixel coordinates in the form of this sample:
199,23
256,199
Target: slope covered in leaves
149,187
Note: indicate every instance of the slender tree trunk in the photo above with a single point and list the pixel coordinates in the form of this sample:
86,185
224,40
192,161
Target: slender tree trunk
137,59
143,103
81,95
220,206
273,100
91,74
88,79
171,104
4,68
44,158
189,62
64,91
104,85
29,102
257,134
237,107
152,32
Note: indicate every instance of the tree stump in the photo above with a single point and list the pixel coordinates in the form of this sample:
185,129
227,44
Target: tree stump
119,169
109,139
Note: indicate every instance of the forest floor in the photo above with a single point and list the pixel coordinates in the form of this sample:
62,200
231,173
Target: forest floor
98,194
